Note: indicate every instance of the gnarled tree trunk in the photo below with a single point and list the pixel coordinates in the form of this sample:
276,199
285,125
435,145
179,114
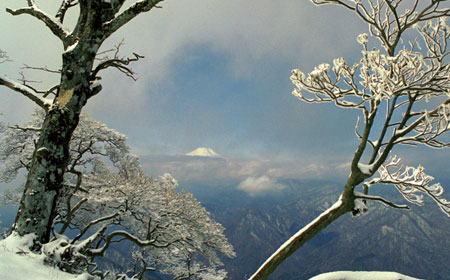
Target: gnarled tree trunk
44,180
97,20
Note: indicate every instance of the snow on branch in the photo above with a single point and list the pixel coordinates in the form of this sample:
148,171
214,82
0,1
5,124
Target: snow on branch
120,233
411,182
130,13
381,76
392,86
428,128
51,22
26,91
299,238
388,20
381,199
395,82
106,192
65,6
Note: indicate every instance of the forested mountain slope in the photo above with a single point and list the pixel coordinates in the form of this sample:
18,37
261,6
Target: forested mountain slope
413,242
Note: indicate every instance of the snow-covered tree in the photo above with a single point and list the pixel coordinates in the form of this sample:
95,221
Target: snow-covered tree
402,91
106,198
79,81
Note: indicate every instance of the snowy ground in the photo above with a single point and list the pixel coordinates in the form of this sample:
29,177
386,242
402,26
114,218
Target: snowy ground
362,275
18,263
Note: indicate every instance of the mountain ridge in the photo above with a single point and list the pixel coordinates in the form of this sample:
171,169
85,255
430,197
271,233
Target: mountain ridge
411,242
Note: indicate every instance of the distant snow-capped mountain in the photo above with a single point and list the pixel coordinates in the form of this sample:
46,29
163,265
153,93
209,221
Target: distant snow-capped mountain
203,152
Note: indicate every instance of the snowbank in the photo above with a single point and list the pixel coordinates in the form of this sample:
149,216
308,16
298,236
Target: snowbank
17,262
362,275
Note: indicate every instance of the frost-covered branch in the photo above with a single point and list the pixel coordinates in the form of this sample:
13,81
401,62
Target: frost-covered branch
402,94
388,20
93,223
403,81
427,128
120,233
411,182
105,189
381,199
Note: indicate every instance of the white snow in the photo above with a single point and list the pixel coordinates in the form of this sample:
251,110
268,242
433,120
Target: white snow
360,205
17,262
94,84
366,169
71,47
203,152
26,91
362,275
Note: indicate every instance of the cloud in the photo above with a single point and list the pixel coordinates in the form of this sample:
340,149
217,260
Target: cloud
249,40
247,34
198,169
258,185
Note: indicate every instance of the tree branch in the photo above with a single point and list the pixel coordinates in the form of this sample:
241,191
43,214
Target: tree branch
409,181
94,222
26,91
301,237
141,243
379,198
65,6
127,15
54,26
3,57
120,64
46,69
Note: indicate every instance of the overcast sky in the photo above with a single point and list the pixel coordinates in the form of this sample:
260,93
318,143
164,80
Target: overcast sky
216,74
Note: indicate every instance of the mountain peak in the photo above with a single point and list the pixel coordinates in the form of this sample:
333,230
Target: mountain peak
203,152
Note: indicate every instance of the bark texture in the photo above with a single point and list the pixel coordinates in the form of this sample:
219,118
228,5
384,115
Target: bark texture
44,180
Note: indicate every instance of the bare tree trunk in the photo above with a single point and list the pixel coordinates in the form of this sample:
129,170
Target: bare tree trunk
45,177
97,20
44,180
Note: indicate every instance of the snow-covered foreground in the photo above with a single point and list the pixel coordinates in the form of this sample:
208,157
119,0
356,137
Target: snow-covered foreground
18,263
362,275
